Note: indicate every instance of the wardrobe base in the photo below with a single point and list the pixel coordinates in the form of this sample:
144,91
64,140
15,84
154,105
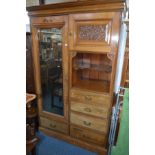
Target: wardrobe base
91,147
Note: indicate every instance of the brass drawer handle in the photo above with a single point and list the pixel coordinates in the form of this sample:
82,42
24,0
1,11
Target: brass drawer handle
87,110
84,136
52,125
70,33
87,123
88,98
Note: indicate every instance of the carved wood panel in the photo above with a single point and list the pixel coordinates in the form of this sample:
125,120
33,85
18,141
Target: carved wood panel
92,32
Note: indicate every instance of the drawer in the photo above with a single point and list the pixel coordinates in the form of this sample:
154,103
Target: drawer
89,122
88,135
89,97
92,109
48,20
54,125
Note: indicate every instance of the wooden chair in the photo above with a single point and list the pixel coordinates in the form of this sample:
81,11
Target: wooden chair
31,139
30,145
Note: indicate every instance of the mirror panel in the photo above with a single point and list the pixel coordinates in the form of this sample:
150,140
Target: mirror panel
50,52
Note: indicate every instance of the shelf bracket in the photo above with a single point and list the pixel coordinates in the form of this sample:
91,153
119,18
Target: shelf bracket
111,55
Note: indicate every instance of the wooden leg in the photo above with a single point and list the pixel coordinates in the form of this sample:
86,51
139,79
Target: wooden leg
34,151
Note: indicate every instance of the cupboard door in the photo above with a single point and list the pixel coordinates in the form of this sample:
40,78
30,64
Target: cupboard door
50,53
93,31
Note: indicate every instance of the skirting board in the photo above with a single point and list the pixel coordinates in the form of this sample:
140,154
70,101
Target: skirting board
85,145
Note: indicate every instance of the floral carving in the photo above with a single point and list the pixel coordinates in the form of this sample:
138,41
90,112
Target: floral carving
92,32
111,55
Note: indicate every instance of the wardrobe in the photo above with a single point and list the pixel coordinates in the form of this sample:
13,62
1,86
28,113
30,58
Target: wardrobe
75,49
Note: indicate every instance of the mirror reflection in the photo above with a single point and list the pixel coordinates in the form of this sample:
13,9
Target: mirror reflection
50,47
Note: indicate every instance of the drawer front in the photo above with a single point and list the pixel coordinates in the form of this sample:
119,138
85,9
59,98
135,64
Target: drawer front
89,122
89,97
92,109
54,125
87,135
48,20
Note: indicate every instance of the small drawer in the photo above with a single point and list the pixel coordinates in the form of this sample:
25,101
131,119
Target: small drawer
88,135
89,122
89,97
54,125
47,20
92,109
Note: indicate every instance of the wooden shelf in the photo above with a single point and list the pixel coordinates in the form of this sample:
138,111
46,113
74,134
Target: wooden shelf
106,69
93,85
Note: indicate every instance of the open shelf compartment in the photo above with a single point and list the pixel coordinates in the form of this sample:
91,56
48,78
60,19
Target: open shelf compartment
91,71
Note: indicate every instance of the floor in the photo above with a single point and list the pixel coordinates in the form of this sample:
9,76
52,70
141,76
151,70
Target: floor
52,146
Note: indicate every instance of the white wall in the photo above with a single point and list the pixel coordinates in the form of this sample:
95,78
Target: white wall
32,2
57,1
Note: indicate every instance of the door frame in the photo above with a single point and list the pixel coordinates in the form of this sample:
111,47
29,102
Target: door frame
58,22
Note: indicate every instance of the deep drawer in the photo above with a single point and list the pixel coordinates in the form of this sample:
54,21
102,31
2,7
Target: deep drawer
54,125
89,122
92,109
89,97
87,135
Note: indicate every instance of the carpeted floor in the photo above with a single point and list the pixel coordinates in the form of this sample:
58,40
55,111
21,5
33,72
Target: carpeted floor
52,146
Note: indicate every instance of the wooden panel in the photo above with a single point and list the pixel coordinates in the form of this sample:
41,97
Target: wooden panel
47,20
54,125
87,135
30,87
89,97
91,109
91,31
89,122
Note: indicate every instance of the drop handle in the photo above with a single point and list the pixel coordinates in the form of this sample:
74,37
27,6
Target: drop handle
47,20
70,33
87,110
84,136
66,78
52,125
88,98
87,123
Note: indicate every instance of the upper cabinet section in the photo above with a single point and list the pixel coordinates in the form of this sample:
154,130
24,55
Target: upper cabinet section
92,31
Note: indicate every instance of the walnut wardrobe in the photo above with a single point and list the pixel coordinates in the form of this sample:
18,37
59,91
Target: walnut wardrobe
75,49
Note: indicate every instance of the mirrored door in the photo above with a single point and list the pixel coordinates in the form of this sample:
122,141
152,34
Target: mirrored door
51,70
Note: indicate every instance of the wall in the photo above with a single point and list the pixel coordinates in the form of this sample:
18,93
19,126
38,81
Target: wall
36,2
57,1
32,2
